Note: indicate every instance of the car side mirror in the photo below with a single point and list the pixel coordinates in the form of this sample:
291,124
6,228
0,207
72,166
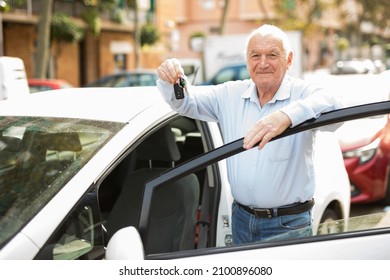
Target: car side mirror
125,244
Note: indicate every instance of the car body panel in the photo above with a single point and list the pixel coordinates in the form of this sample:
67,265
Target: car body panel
126,105
325,196
13,78
21,248
371,247
128,78
341,249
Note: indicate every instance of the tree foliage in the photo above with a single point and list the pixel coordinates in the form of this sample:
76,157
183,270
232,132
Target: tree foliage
376,12
91,17
304,13
4,7
93,9
149,34
301,14
64,29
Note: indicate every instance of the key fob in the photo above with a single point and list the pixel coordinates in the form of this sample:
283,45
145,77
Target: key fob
179,91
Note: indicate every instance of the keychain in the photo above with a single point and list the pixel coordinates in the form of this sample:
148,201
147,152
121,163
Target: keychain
179,88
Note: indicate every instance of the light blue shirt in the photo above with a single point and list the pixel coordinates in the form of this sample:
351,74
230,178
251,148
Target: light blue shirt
282,172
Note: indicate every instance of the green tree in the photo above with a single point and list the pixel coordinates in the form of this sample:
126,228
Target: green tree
92,11
64,29
149,34
4,7
301,14
369,13
376,12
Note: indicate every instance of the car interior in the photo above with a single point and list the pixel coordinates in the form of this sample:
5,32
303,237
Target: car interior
175,205
174,209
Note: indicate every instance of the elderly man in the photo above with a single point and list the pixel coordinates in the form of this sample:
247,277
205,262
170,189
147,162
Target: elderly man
272,186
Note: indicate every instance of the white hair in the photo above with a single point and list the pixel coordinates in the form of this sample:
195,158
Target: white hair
274,32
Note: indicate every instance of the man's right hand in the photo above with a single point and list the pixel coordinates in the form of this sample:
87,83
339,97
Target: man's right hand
170,70
266,129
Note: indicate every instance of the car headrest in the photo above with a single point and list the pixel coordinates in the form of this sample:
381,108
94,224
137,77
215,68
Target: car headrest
193,140
8,143
160,146
66,141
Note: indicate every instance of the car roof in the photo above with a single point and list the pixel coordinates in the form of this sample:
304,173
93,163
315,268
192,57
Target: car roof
111,104
132,72
234,65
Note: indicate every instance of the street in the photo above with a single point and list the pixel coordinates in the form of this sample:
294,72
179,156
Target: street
369,208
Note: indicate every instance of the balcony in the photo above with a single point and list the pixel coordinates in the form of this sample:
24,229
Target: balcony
72,8
28,11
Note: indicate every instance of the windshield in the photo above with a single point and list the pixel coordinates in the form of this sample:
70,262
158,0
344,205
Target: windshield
38,156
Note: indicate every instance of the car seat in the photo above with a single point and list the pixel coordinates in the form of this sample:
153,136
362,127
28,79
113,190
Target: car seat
174,205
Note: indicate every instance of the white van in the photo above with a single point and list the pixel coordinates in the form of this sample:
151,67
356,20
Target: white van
13,78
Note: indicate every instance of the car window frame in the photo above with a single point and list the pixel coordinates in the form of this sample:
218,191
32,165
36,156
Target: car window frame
235,147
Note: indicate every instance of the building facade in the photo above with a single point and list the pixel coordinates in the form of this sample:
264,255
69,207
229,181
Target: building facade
178,23
78,63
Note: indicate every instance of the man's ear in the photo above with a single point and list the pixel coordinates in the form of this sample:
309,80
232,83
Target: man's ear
289,59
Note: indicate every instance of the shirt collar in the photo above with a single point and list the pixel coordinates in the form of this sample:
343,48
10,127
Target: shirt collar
282,93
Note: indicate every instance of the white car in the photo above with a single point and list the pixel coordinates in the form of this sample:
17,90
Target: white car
13,78
73,169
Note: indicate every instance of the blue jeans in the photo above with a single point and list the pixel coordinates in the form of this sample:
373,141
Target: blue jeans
246,228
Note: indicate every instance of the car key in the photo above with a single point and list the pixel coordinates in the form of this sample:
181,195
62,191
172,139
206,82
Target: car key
179,88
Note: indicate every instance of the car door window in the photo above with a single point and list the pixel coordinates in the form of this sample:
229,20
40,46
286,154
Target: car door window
243,73
225,75
80,235
147,80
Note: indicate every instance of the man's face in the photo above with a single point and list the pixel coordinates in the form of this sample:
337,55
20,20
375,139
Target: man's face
267,62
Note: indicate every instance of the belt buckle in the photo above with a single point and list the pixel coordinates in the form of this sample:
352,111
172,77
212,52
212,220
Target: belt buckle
267,212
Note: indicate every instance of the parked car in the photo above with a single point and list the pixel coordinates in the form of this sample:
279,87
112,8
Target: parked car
73,183
36,85
367,158
229,73
364,142
13,78
130,78
355,66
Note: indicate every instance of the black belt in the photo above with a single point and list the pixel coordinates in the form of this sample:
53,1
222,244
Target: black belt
281,211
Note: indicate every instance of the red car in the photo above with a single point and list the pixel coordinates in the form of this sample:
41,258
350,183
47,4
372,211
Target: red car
36,85
366,150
